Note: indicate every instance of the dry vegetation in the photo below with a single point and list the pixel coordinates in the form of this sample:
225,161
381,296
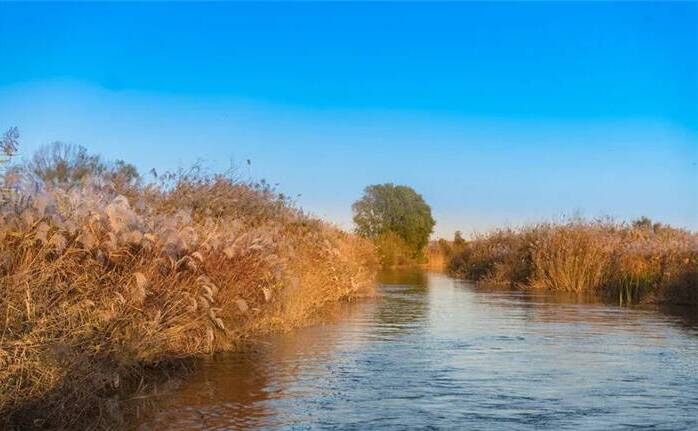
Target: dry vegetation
638,262
440,252
104,281
393,252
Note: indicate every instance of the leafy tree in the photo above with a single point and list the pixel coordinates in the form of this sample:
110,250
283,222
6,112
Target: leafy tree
387,208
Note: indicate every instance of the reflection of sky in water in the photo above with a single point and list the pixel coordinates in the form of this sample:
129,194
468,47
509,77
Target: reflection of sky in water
433,351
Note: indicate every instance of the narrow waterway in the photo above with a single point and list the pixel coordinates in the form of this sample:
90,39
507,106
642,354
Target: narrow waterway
436,353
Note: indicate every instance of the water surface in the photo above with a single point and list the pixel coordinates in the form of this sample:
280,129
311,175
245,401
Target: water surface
435,353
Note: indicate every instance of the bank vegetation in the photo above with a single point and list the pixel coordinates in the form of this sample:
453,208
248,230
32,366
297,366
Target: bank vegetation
633,262
105,279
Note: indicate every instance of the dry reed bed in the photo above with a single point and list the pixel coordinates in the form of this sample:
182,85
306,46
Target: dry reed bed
637,262
98,287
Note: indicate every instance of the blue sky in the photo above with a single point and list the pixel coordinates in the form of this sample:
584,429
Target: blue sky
497,113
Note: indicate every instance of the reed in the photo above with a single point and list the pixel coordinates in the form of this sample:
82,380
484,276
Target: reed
104,282
637,262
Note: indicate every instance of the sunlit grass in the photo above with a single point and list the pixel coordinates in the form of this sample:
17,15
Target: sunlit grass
102,282
631,262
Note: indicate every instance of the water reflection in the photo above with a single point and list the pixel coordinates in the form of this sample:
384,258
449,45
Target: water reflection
402,308
685,316
434,352
410,278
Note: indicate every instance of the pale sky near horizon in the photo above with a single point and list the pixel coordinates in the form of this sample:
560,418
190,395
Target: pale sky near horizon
498,114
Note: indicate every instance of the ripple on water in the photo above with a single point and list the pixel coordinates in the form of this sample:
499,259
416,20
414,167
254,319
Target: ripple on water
435,353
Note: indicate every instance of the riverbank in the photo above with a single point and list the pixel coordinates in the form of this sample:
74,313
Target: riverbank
107,283
630,263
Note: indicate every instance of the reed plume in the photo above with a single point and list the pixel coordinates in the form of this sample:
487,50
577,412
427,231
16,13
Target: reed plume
102,284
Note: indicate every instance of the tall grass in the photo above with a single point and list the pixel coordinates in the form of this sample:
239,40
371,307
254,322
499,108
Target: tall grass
394,252
105,281
628,262
440,252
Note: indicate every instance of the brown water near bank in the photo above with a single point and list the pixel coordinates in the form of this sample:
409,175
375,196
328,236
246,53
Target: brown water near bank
434,352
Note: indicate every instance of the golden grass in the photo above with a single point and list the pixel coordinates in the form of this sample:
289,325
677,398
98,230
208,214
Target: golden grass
99,286
436,257
393,251
630,263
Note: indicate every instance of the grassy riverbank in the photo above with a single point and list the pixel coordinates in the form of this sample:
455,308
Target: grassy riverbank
638,262
105,282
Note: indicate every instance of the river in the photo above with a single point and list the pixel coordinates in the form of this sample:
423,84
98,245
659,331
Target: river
431,352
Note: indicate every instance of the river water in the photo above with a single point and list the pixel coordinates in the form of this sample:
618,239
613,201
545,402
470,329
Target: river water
431,352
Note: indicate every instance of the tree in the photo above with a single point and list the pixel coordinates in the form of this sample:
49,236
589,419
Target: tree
8,148
61,163
68,164
458,239
643,223
123,173
9,142
387,208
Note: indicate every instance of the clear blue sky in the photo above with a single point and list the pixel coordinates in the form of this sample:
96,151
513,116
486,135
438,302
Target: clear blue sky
497,113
